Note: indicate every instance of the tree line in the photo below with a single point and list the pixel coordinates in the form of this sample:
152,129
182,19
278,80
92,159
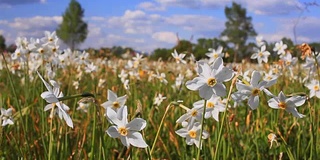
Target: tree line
236,38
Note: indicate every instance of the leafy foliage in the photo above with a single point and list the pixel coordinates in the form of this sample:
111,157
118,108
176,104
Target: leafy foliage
73,30
238,29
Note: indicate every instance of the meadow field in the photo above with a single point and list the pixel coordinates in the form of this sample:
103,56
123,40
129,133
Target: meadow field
75,106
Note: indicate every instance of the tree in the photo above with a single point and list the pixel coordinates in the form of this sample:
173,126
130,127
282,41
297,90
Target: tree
238,29
2,43
73,30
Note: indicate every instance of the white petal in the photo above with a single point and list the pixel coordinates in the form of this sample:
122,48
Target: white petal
183,132
112,96
253,102
297,100
49,88
125,141
255,78
135,138
49,97
224,75
220,89
195,84
206,92
113,132
294,112
136,124
112,115
273,103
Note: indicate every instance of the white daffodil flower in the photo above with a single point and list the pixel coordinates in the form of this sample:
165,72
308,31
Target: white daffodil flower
114,101
6,116
261,55
252,91
280,48
288,104
210,79
214,54
127,132
192,133
178,57
51,96
314,88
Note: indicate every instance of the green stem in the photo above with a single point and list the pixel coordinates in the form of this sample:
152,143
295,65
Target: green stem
51,135
224,117
17,102
161,123
93,133
201,130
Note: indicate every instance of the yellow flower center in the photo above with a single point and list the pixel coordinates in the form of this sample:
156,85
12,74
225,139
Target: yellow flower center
282,105
316,87
215,55
18,54
211,82
288,63
210,104
194,113
123,131
193,134
260,54
41,51
115,104
50,39
255,92
54,49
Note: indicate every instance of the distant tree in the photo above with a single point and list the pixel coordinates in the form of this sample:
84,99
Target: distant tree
183,46
2,43
73,30
238,29
162,53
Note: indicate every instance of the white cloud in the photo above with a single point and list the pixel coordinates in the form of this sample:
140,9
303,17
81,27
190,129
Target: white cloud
168,37
271,7
149,6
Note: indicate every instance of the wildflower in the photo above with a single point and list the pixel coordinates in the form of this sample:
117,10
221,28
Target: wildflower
126,84
158,99
288,104
114,101
192,133
193,114
49,37
161,77
251,91
314,88
123,75
178,57
272,138
259,41
210,79
213,107
6,116
262,55
280,48
127,132
20,54
51,96
83,107
214,54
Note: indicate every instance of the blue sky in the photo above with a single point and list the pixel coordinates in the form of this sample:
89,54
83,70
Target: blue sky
146,25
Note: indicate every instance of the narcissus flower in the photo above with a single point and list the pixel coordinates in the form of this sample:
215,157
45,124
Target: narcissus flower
127,132
288,104
210,79
252,91
6,116
192,133
261,55
114,101
314,88
178,57
51,96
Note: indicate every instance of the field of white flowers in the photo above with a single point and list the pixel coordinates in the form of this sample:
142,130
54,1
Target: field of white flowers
59,104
